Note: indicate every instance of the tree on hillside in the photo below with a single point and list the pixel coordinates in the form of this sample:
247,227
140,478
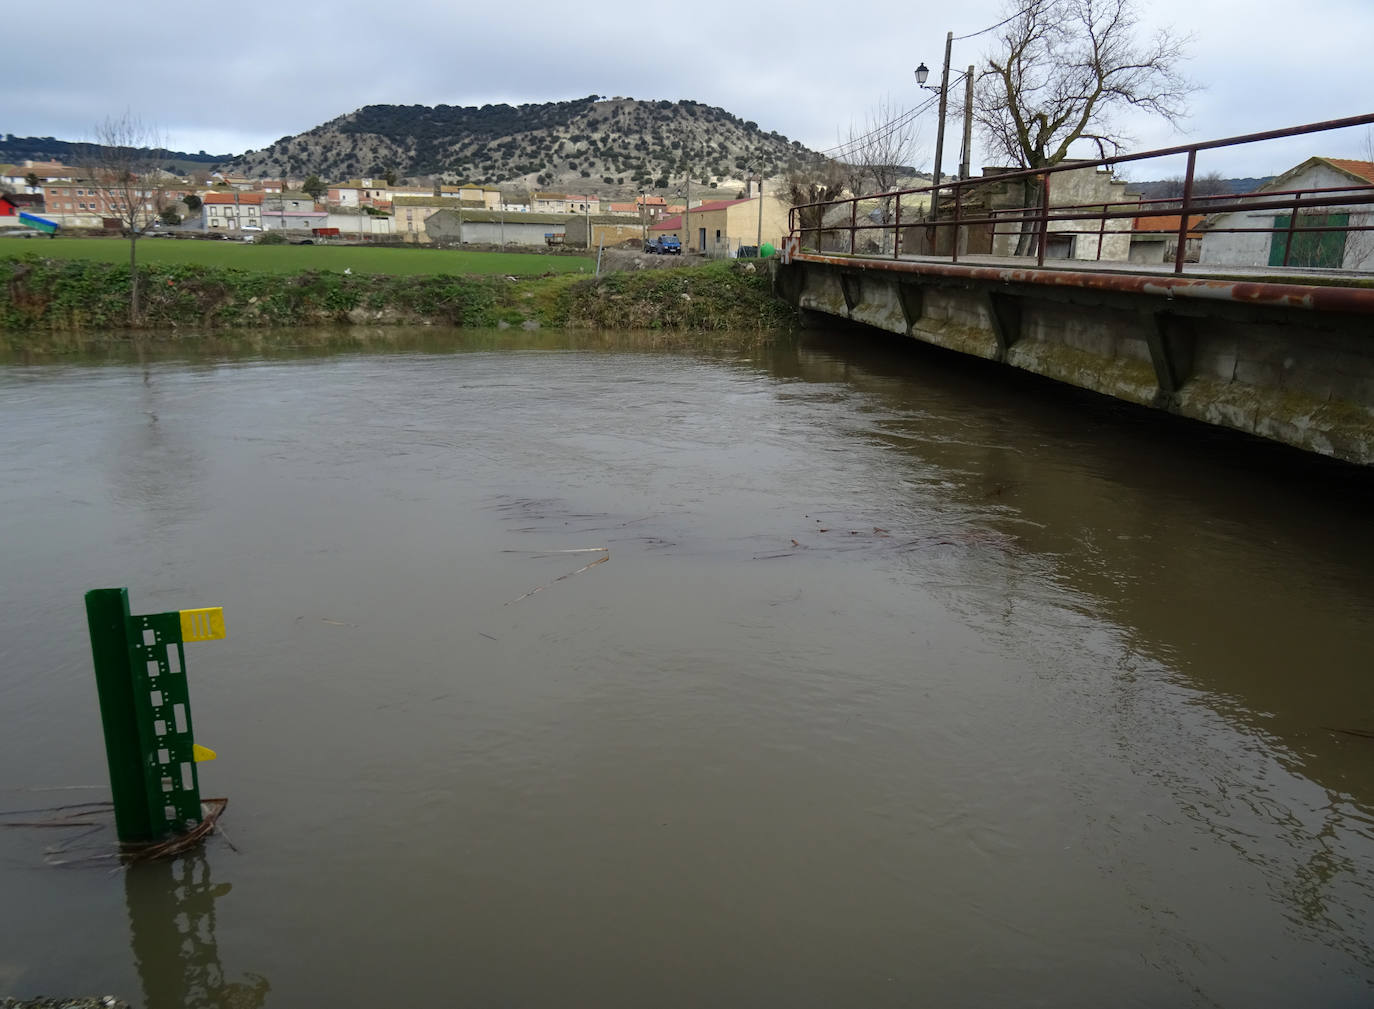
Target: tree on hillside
122,165
1208,184
192,202
313,186
1061,71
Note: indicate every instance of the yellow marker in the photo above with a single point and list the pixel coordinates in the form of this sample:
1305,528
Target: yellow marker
202,753
203,625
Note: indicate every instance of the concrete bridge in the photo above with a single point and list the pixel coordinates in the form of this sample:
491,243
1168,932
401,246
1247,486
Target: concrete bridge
1282,353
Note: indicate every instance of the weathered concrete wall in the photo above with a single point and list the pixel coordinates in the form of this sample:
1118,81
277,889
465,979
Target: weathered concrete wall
1294,375
1252,248
445,225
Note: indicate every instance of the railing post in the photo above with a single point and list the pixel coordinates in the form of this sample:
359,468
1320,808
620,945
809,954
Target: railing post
1292,224
897,231
853,221
1184,210
958,207
1101,232
1044,219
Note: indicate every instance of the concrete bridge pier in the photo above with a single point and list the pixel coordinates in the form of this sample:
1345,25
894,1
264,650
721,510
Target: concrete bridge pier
1286,361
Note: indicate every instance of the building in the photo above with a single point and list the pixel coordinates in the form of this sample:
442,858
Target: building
649,208
14,204
483,197
721,228
359,193
549,203
76,204
292,212
1078,194
359,224
490,227
1335,178
1154,239
17,176
603,230
409,214
232,211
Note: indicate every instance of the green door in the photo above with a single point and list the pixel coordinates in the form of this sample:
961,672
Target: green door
1309,248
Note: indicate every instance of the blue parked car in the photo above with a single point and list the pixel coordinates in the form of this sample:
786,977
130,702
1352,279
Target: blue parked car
663,245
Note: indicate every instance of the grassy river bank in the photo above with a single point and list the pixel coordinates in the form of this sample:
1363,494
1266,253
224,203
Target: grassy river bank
58,305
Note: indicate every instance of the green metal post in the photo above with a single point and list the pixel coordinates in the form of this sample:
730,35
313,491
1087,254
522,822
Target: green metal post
145,708
107,613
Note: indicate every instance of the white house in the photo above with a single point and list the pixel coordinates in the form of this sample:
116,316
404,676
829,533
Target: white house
1350,250
231,211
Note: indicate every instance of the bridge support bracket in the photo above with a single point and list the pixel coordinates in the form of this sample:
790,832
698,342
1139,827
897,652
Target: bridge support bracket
913,301
1170,341
852,287
1005,313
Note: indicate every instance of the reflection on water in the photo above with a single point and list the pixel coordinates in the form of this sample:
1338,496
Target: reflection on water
906,680
172,937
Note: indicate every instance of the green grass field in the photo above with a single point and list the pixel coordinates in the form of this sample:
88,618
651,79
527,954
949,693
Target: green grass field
288,259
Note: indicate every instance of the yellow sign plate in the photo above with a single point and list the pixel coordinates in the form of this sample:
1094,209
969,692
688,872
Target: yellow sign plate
203,625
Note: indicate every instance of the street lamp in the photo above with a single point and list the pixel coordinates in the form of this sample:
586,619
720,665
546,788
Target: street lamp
922,72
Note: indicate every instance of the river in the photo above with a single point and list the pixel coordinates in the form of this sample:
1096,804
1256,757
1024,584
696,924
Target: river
907,682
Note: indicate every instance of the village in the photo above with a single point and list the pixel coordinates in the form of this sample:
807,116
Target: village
371,209
231,206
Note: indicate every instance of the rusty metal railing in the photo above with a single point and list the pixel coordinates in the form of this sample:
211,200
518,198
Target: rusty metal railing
958,217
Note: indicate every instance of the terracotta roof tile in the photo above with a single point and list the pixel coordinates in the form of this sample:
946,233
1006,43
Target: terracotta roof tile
1168,223
1362,169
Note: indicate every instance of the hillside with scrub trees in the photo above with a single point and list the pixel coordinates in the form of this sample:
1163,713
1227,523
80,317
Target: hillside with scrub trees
604,146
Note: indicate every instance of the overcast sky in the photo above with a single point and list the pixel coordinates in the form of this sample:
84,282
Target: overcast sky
226,83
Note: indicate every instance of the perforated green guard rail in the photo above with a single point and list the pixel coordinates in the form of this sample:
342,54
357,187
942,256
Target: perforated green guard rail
145,709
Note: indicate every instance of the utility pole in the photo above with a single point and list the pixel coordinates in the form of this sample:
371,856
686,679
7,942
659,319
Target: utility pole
758,246
967,155
940,128
687,216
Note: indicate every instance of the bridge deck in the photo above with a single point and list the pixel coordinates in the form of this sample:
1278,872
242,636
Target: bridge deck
1208,271
1316,289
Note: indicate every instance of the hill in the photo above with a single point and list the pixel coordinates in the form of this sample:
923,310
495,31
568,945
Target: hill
595,145
17,150
1212,184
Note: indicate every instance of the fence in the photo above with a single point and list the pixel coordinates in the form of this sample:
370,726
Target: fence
958,217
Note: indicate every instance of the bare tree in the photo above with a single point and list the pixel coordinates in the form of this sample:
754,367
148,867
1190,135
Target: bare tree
123,167
810,181
1062,69
880,152
1207,184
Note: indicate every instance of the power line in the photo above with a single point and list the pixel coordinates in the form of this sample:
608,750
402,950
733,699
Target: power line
881,131
853,144
999,24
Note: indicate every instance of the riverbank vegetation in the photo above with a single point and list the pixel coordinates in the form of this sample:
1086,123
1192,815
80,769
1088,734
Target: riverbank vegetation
54,304
259,257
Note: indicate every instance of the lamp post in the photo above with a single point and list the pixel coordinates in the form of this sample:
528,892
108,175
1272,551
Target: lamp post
943,90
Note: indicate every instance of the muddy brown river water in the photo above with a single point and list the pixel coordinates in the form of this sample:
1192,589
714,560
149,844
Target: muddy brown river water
906,682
